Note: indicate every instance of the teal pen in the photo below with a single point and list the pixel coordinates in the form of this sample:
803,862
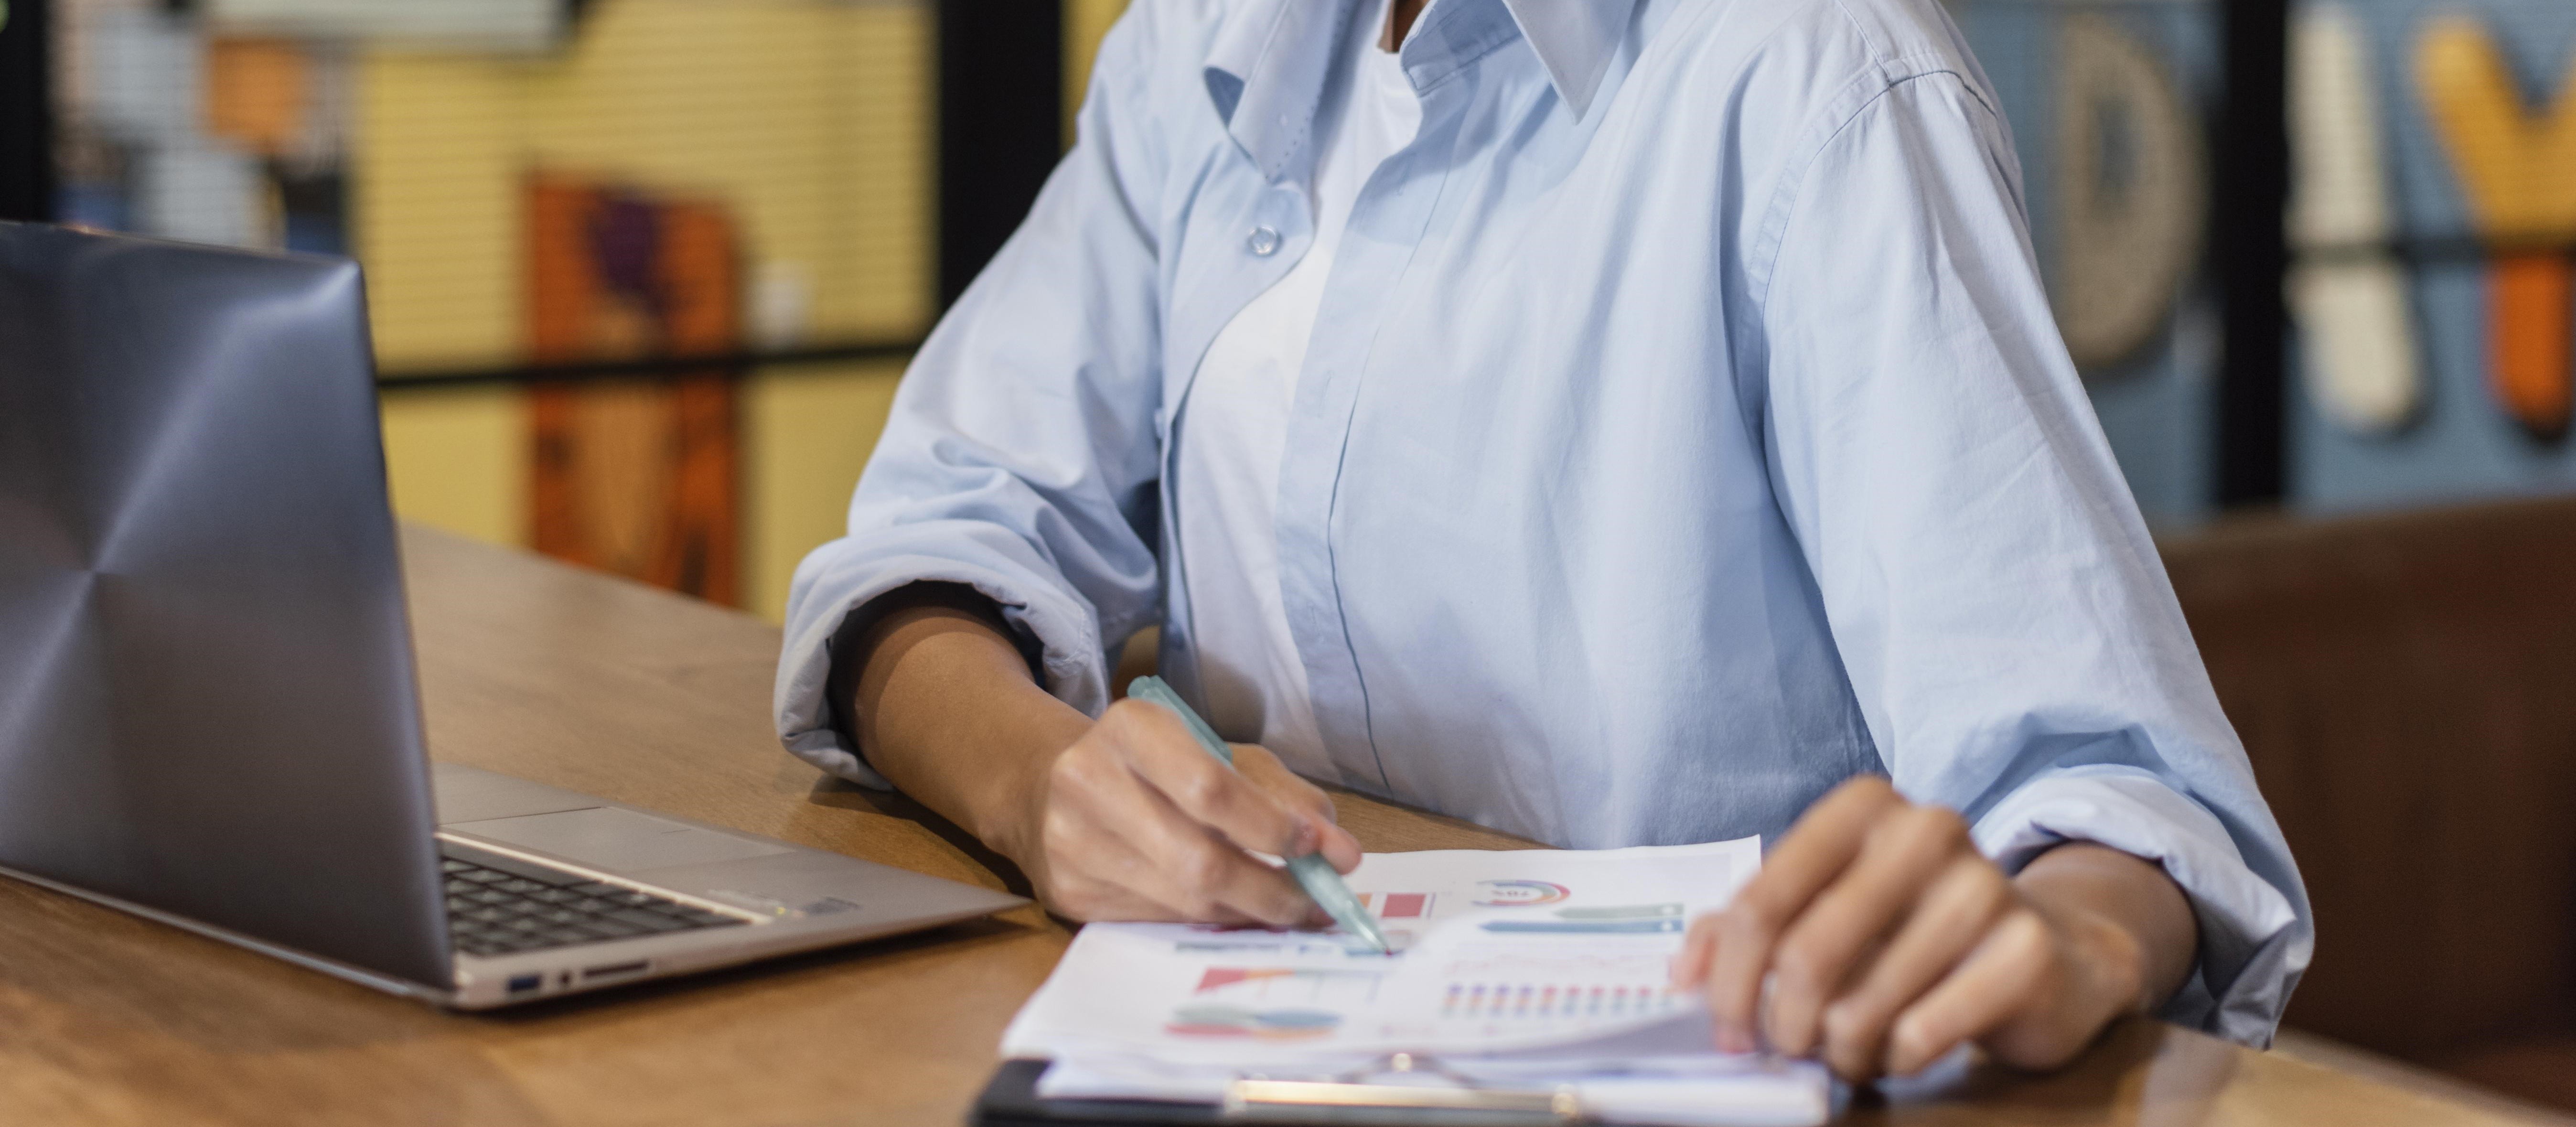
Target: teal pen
1313,872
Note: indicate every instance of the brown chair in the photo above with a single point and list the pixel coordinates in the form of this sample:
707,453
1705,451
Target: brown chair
2406,688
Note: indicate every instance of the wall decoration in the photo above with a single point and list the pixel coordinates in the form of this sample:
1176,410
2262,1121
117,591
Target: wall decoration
2464,107
638,479
2518,170
2347,292
2132,202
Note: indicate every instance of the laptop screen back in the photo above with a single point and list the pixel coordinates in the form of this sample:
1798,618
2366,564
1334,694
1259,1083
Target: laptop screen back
206,694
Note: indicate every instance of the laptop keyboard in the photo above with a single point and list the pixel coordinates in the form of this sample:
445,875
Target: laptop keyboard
492,910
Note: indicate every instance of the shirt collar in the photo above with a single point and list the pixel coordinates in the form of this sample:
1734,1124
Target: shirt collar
1574,40
1267,69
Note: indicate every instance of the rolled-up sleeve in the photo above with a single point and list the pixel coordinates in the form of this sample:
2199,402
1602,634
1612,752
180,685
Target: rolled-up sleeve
2014,645
1021,455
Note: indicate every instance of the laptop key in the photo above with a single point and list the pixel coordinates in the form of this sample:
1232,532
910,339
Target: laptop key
495,911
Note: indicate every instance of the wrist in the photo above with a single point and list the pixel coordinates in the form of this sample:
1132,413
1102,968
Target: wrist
1010,816
2112,961
1012,822
2133,928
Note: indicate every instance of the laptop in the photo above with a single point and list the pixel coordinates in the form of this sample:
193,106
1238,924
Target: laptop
208,714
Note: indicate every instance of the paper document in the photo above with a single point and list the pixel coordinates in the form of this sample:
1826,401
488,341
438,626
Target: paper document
1549,968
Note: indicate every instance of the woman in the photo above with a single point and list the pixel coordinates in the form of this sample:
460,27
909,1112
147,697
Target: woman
1613,421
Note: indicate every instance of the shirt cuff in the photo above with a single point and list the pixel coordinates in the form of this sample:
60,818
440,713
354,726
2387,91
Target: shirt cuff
2252,947
831,586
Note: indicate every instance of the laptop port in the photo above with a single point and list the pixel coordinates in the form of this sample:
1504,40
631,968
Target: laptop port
612,970
522,983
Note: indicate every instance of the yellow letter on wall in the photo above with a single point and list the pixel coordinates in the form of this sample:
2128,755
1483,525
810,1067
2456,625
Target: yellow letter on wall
2520,175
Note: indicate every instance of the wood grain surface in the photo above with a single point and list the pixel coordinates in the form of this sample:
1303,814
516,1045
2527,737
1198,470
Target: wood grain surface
583,681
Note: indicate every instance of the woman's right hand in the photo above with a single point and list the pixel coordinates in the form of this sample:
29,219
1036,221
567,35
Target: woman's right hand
1134,821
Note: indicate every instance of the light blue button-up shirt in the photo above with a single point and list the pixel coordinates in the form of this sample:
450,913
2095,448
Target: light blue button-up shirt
1683,432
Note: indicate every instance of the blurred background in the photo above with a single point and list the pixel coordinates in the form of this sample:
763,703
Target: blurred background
559,202
554,202
645,273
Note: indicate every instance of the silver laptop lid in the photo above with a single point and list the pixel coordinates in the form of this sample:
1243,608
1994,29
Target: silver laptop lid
207,704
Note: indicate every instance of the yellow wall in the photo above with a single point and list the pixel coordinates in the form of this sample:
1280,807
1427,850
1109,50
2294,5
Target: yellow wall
458,460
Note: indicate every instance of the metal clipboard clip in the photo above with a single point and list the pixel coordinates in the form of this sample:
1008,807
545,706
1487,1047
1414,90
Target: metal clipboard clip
1352,1099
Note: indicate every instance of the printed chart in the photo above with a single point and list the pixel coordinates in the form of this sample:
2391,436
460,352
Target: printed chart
1272,1002
1498,952
1499,987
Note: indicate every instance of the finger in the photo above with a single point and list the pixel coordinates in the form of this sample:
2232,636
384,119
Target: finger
1267,772
1821,952
1955,912
1814,851
1690,967
1160,749
2003,976
1103,878
1169,858
1203,872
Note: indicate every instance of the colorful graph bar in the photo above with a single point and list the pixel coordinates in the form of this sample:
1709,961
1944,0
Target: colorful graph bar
1398,905
1546,1001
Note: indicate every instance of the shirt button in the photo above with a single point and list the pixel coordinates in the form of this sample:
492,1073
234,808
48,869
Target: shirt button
1264,241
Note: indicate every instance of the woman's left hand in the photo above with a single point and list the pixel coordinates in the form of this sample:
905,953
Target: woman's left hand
1879,938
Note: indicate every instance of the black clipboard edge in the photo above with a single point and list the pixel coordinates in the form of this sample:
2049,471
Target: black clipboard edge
1010,1099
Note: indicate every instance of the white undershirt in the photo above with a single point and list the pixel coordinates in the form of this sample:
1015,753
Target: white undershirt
1235,429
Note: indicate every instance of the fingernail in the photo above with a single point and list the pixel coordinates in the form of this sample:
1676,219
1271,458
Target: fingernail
1731,1039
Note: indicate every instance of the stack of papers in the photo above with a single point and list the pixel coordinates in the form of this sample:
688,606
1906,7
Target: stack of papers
1540,971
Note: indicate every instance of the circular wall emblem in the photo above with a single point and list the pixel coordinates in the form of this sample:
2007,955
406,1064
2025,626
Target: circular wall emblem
1519,893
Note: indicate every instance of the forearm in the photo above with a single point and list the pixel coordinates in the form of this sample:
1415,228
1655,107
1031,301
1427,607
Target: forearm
2137,922
1123,818
944,707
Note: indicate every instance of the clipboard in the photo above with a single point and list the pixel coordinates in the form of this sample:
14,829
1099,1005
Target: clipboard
1010,1099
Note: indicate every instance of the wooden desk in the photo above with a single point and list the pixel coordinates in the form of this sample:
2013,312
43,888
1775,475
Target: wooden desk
585,682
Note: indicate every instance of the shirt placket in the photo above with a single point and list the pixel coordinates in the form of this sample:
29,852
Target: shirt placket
1387,223
1257,242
